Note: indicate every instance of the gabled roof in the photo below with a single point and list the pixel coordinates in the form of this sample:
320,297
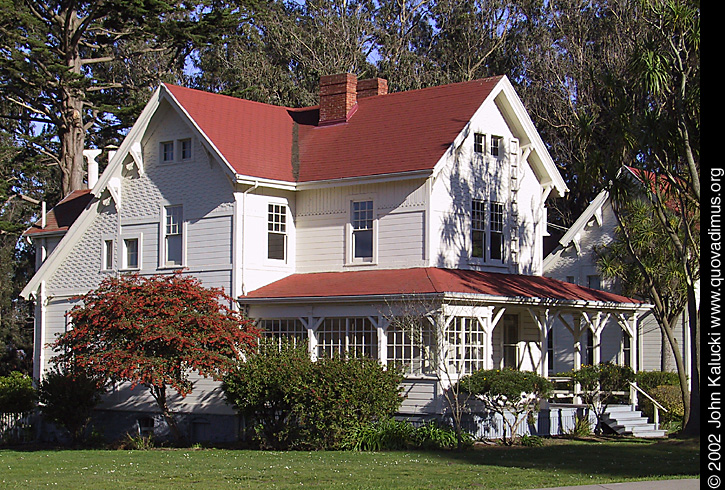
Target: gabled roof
392,133
63,214
395,133
428,280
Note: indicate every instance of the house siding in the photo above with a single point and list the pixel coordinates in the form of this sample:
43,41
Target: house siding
567,263
465,176
323,217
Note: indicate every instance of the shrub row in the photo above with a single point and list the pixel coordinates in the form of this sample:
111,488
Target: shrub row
391,434
294,402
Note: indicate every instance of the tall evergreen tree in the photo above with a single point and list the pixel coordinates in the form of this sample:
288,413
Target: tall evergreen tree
66,63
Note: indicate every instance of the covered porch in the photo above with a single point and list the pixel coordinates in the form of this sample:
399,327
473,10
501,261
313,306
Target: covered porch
441,324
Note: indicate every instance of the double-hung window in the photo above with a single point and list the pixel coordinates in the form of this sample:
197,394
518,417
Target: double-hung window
277,231
173,236
487,222
478,229
496,225
362,231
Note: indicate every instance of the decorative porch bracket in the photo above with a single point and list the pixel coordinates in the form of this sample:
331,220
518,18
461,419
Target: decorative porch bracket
544,319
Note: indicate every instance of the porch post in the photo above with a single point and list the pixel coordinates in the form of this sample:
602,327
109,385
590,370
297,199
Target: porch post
312,325
486,324
493,322
544,320
381,325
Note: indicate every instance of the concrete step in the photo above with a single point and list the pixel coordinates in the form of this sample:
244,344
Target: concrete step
623,420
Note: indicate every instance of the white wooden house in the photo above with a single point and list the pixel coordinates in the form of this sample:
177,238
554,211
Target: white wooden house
321,219
574,261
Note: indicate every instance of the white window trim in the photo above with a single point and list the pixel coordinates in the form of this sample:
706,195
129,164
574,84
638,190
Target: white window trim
501,147
487,260
483,143
105,266
350,259
176,148
162,155
162,238
180,144
288,221
123,266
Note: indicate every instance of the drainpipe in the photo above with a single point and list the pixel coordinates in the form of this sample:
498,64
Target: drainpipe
244,233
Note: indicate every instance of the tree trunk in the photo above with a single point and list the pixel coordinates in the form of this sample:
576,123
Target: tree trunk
692,423
71,131
72,138
159,394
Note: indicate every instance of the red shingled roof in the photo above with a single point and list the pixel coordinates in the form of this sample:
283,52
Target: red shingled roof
426,281
63,214
397,132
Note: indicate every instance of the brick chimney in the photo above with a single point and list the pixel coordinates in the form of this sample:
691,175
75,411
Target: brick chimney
338,95
372,86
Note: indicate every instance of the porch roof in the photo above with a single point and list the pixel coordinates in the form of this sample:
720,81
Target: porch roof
429,280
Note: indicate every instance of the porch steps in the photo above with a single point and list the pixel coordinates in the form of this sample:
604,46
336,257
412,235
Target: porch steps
623,420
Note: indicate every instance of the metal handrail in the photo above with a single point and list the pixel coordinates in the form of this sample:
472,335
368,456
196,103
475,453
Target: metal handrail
655,403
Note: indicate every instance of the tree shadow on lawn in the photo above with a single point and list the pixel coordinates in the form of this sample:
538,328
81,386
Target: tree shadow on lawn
620,457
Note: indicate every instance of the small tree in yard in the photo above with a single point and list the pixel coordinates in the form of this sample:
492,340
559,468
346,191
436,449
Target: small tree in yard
155,331
601,385
508,392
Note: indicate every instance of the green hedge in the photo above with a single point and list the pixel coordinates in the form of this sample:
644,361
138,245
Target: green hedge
297,403
17,394
664,387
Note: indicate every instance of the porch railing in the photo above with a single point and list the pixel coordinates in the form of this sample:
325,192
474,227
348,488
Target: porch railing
655,403
564,388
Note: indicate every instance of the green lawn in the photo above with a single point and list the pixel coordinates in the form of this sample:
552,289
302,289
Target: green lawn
558,463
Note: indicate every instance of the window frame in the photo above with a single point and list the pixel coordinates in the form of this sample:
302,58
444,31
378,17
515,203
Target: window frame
479,143
353,232
123,244
498,232
108,249
508,344
466,344
496,146
414,352
338,336
167,149
282,225
484,235
164,241
182,150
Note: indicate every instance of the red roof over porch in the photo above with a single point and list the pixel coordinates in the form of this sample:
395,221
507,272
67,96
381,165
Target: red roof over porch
429,280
